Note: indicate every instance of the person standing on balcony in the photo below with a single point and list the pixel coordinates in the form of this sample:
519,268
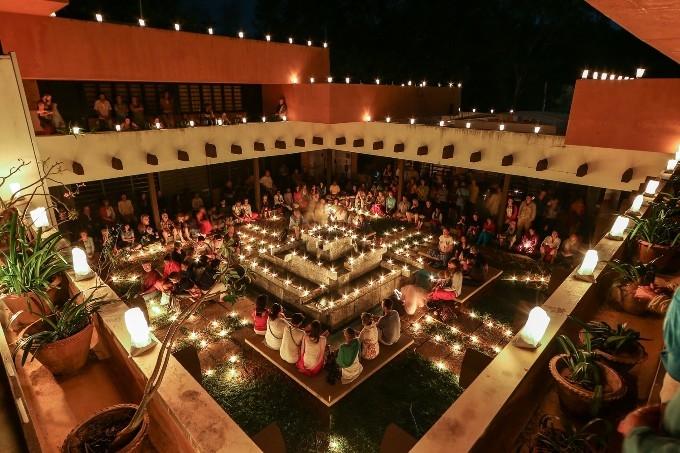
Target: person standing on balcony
527,214
281,109
103,108
167,109
267,182
45,119
126,209
121,109
107,213
137,111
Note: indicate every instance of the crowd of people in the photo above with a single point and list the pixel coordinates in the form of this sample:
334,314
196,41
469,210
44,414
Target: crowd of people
124,114
306,346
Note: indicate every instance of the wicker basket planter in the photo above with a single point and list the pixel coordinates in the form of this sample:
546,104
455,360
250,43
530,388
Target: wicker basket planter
577,400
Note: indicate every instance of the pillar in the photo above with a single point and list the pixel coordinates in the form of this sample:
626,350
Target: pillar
504,200
256,177
400,187
329,166
153,197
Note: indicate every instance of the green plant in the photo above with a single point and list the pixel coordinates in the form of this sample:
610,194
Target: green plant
591,437
626,272
584,370
660,225
72,317
606,338
30,265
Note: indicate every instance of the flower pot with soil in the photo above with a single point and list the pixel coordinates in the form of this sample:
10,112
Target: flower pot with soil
628,279
31,269
556,435
61,341
584,385
99,431
657,233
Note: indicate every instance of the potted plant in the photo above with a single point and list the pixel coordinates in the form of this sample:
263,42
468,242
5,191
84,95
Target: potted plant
61,339
584,384
657,233
628,278
619,347
556,436
122,428
30,272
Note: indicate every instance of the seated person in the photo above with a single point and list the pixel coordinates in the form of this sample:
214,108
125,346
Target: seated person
488,232
209,276
150,278
237,212
389,324
508,237
348,357
232,239
474,227
370,347
202,247
550,246
571,247
449,285
654,428
276,323
247,210
149,237
266,207
167,227
529,243
292,338
474,266
170,265
295,224
127,237
260,314
313,350
87,244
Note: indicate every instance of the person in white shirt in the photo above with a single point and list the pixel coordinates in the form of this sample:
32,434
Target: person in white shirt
266,181
103,108
292,338
126,209
446,244
276,325
550,246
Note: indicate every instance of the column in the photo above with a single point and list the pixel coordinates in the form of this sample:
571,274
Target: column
153,197
504,200
256,177
400,187
329,166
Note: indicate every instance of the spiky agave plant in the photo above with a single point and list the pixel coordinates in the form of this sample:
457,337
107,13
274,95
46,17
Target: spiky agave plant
584,370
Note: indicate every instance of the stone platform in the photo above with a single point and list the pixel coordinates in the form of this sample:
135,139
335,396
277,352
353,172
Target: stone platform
317,385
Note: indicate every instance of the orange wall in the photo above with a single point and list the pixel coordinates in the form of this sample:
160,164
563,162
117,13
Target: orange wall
64,49
339,103
642,114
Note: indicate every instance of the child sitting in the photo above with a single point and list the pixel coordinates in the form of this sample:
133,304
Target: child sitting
369,337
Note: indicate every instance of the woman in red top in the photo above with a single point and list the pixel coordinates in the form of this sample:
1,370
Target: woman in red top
260,315
170,266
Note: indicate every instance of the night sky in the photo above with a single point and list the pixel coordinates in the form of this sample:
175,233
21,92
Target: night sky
517,54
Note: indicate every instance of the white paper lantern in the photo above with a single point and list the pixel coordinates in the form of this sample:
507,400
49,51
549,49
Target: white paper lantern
619,227
39,217
138,328
531,334
80,265
588,265
652,185
637,204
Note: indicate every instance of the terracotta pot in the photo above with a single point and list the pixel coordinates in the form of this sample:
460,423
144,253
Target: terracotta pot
95,427
29,304
623,295
65,356
577,400
648,252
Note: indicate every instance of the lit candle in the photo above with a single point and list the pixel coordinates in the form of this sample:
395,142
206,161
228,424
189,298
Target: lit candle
670,165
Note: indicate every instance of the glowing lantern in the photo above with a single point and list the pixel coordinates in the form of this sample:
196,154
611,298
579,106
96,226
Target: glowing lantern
585,272
39,217
652,185
80,266
637,204
618,228
531,334
671,164
137,327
